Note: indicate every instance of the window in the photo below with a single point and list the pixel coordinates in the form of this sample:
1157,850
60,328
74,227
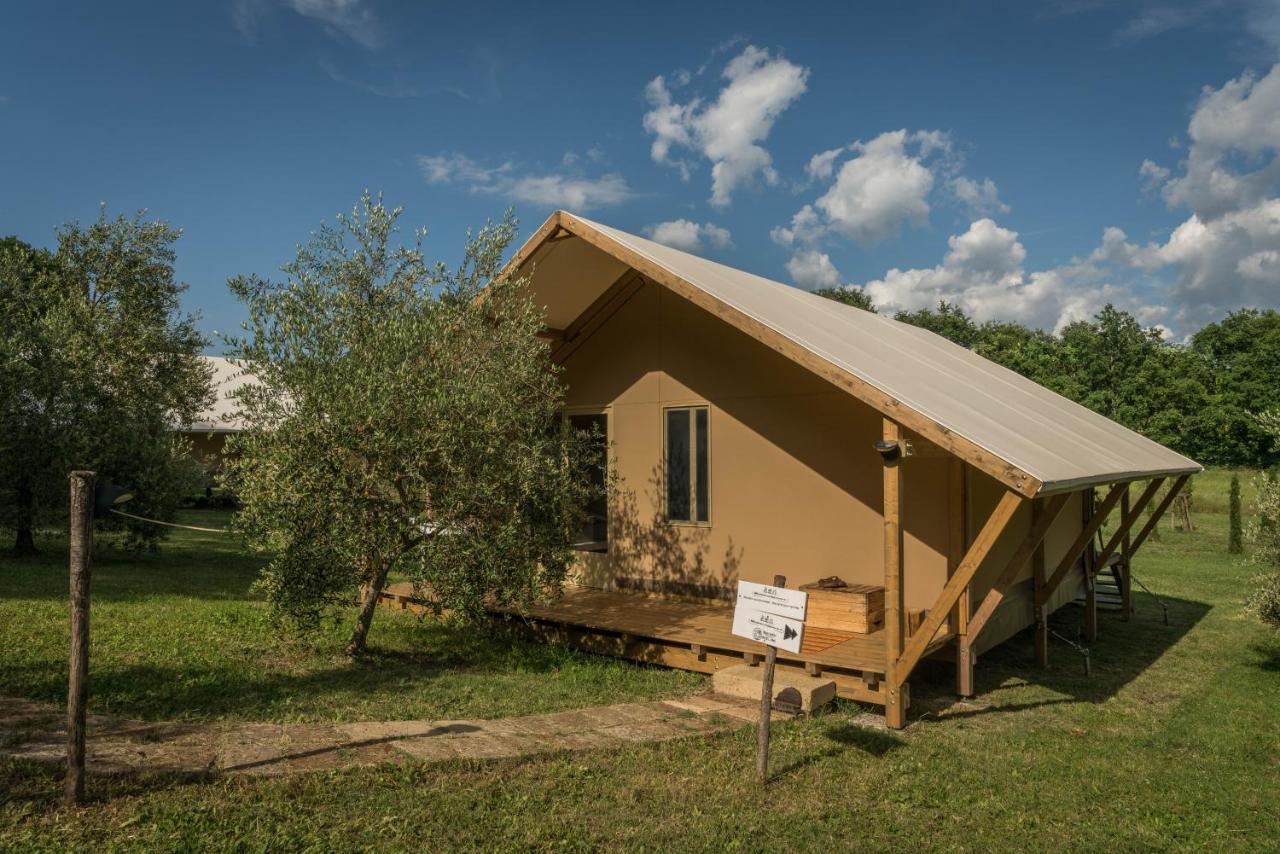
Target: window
594,536
688,479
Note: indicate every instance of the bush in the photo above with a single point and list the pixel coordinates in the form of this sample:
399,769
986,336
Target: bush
1264,529
1264,601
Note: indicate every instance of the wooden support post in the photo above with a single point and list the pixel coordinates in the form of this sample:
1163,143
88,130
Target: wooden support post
766,701
82,483
1038,580
1122,577
958,544
813,668
1091,603
895,711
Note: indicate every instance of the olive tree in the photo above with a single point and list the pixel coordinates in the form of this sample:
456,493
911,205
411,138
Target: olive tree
405,419
98,364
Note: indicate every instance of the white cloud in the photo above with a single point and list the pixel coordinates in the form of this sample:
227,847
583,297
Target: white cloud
805,226
1222,257
690,236
821,165
978,197
885,185
1233,128
811,269
728,131
555,189
350,19
983,274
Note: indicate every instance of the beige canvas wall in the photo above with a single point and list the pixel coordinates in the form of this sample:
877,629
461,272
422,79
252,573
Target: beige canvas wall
795,482
1016,610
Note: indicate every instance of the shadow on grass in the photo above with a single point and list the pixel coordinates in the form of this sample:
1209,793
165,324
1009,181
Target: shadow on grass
844,736
1268,656
250,688
39,784
1122,652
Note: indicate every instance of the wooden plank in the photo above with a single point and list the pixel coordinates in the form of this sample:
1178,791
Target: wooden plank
1039,528
1157,513
895,709
1086,535
1038,581
957,545
1123,569
982,545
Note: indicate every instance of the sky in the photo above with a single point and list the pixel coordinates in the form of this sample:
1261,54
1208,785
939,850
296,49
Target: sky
1027,162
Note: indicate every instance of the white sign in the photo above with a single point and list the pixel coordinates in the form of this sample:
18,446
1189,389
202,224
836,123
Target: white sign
772,600
762,627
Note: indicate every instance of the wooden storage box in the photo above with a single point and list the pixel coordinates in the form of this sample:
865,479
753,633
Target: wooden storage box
857,608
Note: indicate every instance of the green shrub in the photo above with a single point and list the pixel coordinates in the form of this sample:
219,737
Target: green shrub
1264,601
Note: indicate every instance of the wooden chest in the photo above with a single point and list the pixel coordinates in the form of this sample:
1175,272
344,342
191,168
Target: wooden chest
857,608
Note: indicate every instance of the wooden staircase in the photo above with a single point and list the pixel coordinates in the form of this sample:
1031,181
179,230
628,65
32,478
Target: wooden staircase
1107,586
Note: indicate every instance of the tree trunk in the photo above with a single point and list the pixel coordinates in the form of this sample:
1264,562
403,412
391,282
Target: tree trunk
25,542
367,606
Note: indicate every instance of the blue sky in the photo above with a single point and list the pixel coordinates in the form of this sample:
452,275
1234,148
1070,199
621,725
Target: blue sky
1028,162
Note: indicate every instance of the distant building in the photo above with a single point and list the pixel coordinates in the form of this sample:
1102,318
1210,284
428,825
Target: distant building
208,432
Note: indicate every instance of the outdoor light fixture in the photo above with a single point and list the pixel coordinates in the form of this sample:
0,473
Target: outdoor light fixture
890,449
107,495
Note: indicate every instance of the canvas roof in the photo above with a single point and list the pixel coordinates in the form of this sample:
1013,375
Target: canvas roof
1033,439
220,417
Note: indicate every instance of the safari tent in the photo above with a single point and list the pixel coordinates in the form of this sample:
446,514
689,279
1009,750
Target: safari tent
755,429
209,430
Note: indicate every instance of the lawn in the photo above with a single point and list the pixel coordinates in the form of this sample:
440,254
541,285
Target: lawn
1172,742
181,635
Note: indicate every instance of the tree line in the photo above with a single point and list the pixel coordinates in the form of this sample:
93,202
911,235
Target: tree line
1212,399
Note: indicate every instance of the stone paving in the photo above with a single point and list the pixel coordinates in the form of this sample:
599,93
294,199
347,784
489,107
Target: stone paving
38,732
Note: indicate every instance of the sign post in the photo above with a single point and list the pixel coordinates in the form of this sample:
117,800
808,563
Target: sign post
773,616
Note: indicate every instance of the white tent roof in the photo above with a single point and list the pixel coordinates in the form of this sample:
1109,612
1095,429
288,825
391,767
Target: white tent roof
995,412
221,417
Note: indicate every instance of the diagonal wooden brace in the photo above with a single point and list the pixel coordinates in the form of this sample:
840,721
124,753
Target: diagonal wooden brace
1078,545
959,580
1127,520
1039,529
1157,513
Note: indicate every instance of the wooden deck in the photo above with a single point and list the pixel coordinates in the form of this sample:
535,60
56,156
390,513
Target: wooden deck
684,635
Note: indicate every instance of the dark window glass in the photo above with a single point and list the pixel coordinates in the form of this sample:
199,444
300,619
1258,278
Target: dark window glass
595,530
702,480
678,472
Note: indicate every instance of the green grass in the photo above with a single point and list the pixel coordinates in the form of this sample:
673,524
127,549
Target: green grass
1173,742
179,635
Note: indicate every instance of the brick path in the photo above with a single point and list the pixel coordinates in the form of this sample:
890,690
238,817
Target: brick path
38,732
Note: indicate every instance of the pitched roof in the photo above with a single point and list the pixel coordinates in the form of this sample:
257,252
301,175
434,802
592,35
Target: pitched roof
1030,438
221,416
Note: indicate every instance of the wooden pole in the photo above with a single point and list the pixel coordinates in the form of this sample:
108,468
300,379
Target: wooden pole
1122,577
1038,581
766,701
959,545
894,609
77,684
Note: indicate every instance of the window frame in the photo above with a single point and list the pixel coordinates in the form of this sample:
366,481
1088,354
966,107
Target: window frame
607,411
691,407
